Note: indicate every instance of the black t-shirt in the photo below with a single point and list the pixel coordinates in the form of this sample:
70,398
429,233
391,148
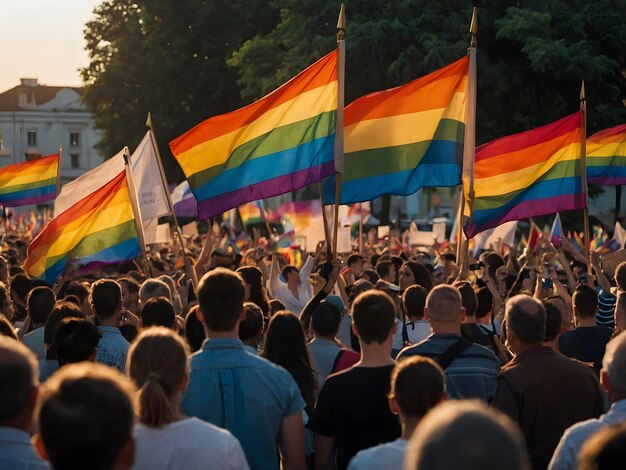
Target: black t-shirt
586,344
352,407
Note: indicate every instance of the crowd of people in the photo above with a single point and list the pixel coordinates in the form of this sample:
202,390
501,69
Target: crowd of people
387,358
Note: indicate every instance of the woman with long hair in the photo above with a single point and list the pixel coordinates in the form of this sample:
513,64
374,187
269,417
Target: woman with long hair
412,273
253,278
157,364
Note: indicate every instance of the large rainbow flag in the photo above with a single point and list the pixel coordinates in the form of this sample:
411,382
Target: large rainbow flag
278,144
606,157
533,173
29,182
406,138
98,230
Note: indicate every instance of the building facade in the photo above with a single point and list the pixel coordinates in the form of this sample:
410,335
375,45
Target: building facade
36,120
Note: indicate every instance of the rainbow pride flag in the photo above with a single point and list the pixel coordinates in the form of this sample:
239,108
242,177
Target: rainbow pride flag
299,214
278,144
98,230
250,213
606,157
533,173
406,138
29,182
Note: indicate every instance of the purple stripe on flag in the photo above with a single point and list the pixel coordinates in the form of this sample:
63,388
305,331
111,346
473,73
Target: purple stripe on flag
272,187
607,180
186,208
29,200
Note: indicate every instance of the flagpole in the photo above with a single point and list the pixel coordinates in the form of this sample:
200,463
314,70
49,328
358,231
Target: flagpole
361,228
583,174
130,182
341,72
469,146
329,252
170,205
59,170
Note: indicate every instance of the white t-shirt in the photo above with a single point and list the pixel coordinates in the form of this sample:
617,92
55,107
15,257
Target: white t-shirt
187,444
417,331
389,456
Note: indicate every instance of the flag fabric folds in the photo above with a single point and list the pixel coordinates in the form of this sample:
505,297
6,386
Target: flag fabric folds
184,203
606,157
29,182
405,138
528,174
278,144
98,230
557,234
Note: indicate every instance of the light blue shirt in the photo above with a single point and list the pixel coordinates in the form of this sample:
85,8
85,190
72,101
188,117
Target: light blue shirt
34,341
112,348
16,451
243,393
566,454
389,456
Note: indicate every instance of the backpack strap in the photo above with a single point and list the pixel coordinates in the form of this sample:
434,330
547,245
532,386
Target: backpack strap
455,350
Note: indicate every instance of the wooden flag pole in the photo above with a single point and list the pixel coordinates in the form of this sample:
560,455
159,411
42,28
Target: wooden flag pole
341,71
170,205
469,146
583,174
130,182
59,170
329,253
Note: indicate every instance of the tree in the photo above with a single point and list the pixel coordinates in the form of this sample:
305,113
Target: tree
167,57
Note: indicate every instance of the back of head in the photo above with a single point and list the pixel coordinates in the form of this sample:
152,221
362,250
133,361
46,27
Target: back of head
370,275
19,373
276,306
220,296
157,364
418,384
78,289
585,301
468,435
374,315
358,288
75,340
444,304
554,321
6,328
526,317
353,259
414,301
614,363
85,416
152,288
605,450
62,309
383,268
106,298
194,330
470,302
325,319
40,302
493,261
484,302
20,285
620,276
131,285
158,311
252,325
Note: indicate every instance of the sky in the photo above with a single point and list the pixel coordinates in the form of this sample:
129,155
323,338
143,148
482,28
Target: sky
43,39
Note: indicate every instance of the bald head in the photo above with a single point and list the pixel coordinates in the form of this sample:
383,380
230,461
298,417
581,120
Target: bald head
526,318
19,373
614,363
444,304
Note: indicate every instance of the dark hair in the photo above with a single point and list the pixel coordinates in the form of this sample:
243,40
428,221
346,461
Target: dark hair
254,278
18,375
375,258
620,276
397,261
40,302
285,345
286,270
492,261
383,268
78,289
194,331
370,275
516,288
413,301
276,306
418,384
6,329
129,332
252,325
526,317
325,319
106,298
470,302
585,301
158,311
421,274
4,294
353,258
578,264
85,416
20,284
554,321
76,339
62,309
484,301
221,296
373,313
131,284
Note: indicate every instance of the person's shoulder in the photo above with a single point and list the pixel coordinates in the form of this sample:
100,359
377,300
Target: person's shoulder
202,428
417,349
377,456
578,433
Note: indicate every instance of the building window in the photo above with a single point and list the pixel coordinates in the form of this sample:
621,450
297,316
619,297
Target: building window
74,139
75,160
31,138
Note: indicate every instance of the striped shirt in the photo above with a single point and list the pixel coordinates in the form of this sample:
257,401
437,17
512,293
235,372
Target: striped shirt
112,348
606,309
473,374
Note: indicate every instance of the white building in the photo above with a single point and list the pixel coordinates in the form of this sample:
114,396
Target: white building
35,120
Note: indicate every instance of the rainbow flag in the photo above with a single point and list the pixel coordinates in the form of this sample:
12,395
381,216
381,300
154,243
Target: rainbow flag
98,230
278,144
406,138
29,182
529,174
298,215
606,157
250,213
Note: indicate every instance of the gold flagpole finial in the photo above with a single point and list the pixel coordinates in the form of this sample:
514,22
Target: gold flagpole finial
341,23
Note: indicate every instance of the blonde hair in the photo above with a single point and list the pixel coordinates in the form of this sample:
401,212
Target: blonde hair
157,363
